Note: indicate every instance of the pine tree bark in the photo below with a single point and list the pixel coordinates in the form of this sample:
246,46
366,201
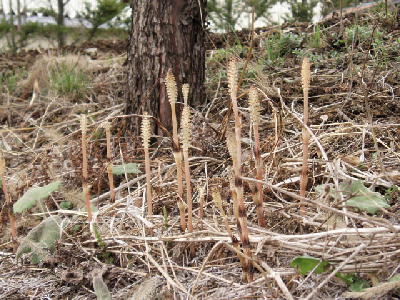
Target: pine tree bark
60,23
165,35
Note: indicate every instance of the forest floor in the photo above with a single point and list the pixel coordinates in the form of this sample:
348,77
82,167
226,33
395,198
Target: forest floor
346,243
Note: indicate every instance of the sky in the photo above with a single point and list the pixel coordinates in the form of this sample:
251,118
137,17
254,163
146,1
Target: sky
71,8
277,12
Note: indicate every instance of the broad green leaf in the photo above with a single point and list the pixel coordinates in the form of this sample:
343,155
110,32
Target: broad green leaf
130,168
306,264
363,198
41,240
33,195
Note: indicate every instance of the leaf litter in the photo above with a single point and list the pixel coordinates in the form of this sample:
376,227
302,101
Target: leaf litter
42,146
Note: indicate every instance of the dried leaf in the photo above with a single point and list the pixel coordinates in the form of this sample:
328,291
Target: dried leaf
145,290
100,288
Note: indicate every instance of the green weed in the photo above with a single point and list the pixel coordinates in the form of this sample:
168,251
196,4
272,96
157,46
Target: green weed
316,39
68,80
280,45
10,81
221,55
360,34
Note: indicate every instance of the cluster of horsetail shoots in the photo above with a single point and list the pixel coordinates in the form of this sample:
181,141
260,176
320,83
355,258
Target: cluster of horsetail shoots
13,223
172,92
107,128
305,79
85,185
186,132
146,129
254,106
242,215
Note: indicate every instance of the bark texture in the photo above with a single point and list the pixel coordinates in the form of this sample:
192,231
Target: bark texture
165,35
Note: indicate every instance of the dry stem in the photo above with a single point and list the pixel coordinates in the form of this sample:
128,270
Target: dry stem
146,143
107,127
173,95
85,186
255,120
11,216
305,77
185,147
242,220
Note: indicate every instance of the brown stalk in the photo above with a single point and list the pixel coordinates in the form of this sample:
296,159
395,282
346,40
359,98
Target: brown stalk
146,129
258,196
85,186
201,201
231,144
172,96
186,126
216,195
107,127
11,216
305,78
242,216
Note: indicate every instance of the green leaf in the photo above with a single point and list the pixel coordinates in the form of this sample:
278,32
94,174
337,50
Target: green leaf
66,205
359,284
355,283
306,264
130,168
40,242
347,278
395,278
33,195
363,198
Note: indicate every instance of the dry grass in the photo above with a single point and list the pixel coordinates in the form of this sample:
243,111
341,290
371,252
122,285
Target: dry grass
136,246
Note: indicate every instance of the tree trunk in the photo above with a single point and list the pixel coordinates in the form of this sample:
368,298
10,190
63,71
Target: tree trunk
12,31
19,20
165,35
60,23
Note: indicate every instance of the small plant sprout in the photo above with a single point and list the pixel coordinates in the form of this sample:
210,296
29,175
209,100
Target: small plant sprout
305,80
13,223
85,186
216,195
35,92
146,129
186,132
254,106
172,92
242,216
107,127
